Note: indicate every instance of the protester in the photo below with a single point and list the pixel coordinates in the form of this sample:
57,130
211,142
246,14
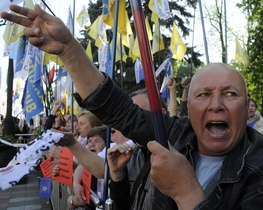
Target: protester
214,144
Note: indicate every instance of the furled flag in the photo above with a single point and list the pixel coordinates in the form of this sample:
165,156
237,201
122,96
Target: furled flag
83,18
108,12
17,90
148,29
51,74
120,51
160,9
157,44
64,104
89,52
246,58
70,23
138,70
177,45
102,56
239,51
135,49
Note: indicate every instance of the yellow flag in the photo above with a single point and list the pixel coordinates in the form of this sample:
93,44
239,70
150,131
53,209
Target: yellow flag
154,16
177,45
135,49
50,57
108,15
93,30
64,105
239,51
157,44
83,18
148,29
89,52
246,58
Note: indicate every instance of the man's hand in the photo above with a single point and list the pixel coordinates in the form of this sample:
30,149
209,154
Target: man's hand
174,176
45,31
118,157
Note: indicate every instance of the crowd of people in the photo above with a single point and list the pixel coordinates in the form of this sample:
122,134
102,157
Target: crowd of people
214,159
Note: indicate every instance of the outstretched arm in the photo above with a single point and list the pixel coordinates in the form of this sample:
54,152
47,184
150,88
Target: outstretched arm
50,34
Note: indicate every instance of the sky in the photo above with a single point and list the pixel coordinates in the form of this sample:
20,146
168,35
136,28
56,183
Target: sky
236,22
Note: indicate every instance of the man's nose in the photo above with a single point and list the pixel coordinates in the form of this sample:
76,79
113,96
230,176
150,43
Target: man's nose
216,103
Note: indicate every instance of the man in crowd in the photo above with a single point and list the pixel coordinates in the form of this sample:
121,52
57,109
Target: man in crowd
214,161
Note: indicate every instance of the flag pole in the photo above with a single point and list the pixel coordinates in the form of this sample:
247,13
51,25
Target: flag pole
72,85
204,34
150,80
108,203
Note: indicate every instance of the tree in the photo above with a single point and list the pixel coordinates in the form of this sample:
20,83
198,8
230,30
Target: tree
254,75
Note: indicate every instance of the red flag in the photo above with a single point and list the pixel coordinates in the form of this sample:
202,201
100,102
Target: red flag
51,74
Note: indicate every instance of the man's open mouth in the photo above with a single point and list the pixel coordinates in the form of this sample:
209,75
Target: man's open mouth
217,128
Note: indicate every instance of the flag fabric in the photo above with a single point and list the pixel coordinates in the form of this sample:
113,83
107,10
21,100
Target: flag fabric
70,24
103,56
4,6
157,44
51,74
138,70
246,58
27,158
98,31
135,49
23,100
39,55
17,90
83,18
109,13
148,29
64,104
160,9
120,51
34,95
177,45
239,51
89,52
62,73
45,187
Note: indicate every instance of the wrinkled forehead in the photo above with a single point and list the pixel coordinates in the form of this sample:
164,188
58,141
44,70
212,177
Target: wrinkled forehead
218,75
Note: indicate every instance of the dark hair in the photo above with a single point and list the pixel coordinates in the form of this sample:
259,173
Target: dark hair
98,131
144,91
251,99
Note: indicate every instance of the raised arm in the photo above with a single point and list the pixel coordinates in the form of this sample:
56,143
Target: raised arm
50,34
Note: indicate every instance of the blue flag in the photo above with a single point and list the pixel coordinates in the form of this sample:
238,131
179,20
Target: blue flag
34,96
45,187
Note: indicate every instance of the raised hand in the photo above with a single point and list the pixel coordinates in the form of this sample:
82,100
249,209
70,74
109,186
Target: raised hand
118,157
45,31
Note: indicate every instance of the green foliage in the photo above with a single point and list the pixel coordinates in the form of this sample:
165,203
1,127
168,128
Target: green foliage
253,73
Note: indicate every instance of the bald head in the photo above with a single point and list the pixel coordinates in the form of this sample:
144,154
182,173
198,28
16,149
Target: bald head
217,108
210,71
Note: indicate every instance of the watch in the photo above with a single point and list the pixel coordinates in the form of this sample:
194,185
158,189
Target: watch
72,202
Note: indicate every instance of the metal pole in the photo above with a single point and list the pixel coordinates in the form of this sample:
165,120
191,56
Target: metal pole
226,53
204,34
